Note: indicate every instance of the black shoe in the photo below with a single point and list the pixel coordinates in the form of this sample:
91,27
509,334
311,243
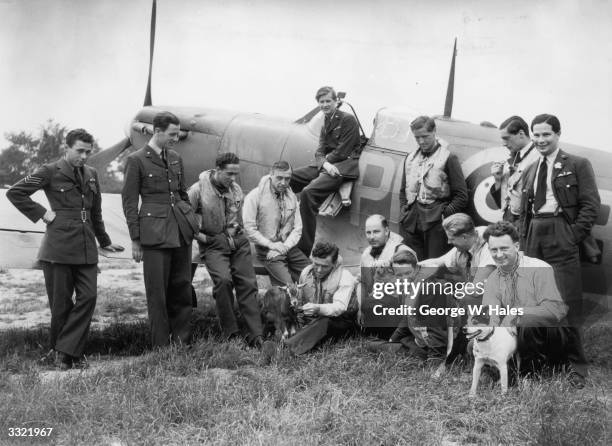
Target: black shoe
80,363
49,358
257,342
63,361
576,380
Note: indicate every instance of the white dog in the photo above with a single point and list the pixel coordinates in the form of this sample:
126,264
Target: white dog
494,346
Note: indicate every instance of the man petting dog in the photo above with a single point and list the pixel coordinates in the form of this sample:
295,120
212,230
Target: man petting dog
330,296
528,284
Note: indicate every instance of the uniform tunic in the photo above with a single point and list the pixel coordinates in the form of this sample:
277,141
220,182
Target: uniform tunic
68,252
164,225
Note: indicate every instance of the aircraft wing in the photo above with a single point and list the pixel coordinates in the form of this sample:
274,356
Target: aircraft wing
20,238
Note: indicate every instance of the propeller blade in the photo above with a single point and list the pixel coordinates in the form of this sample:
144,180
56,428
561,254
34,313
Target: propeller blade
101,159
308,116
148,101
450,90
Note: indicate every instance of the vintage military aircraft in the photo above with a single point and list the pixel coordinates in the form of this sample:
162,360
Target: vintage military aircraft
260,140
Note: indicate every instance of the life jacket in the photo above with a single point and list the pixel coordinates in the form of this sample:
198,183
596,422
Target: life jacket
426,179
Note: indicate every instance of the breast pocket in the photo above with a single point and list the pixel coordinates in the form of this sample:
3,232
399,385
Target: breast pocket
154,181
175,170
567,190
66,195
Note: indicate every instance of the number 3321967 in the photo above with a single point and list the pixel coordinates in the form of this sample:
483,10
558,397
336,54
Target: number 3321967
29,431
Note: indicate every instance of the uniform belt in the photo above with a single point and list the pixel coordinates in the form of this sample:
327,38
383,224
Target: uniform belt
81,214
545,214
161,199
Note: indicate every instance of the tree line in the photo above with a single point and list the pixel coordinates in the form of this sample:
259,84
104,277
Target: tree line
27,151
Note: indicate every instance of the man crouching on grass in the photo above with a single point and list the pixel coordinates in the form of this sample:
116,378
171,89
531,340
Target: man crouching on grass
528,284
330,295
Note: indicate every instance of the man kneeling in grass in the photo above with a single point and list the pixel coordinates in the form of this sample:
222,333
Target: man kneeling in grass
329,294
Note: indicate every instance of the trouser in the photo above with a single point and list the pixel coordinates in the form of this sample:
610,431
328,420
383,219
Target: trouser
318,330
232,269
194,296
315,185
168,288
70,320
427,243
551,239
552,346
283,269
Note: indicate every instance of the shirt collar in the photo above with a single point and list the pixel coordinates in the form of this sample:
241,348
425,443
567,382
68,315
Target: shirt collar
477,246
524,150
155,147
550,158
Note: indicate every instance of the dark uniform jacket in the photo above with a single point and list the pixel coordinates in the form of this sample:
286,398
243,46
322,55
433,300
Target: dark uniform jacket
71,237
339,144
165,218
574,188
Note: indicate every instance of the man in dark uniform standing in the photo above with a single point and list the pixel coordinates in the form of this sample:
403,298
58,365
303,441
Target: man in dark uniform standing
336,160
68,253
162,230
560,203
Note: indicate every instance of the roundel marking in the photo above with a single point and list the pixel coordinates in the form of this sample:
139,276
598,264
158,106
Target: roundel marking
477,172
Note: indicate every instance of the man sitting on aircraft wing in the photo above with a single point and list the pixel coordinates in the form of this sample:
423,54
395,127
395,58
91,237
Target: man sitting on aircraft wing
433,187
336,160
68,254
273,224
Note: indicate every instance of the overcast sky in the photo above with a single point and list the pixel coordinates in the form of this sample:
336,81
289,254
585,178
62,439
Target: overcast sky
84,62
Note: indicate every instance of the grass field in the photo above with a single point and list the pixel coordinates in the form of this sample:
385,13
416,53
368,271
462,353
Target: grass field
221,392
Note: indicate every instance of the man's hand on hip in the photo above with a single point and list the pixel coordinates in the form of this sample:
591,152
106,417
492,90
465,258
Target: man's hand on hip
48,217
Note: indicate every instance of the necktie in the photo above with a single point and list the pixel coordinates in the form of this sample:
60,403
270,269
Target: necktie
78,176
164,157
540,195
468,265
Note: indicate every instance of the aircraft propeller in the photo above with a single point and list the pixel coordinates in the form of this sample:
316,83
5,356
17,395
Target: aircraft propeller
148,100
448,105
101,159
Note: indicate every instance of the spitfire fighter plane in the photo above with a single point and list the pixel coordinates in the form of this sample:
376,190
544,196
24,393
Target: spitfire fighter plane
259,141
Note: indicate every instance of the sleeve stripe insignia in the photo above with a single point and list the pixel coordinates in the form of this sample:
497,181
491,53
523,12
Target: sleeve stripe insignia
31,179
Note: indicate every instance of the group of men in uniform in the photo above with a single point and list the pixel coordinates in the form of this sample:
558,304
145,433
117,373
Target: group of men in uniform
530,260
549,200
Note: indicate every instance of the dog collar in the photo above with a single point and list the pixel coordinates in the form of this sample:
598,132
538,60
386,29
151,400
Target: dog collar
475,335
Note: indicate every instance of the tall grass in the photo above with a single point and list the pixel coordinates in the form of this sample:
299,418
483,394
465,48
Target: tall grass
219,393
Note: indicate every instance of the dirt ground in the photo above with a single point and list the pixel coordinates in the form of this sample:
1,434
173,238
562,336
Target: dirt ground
121,294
